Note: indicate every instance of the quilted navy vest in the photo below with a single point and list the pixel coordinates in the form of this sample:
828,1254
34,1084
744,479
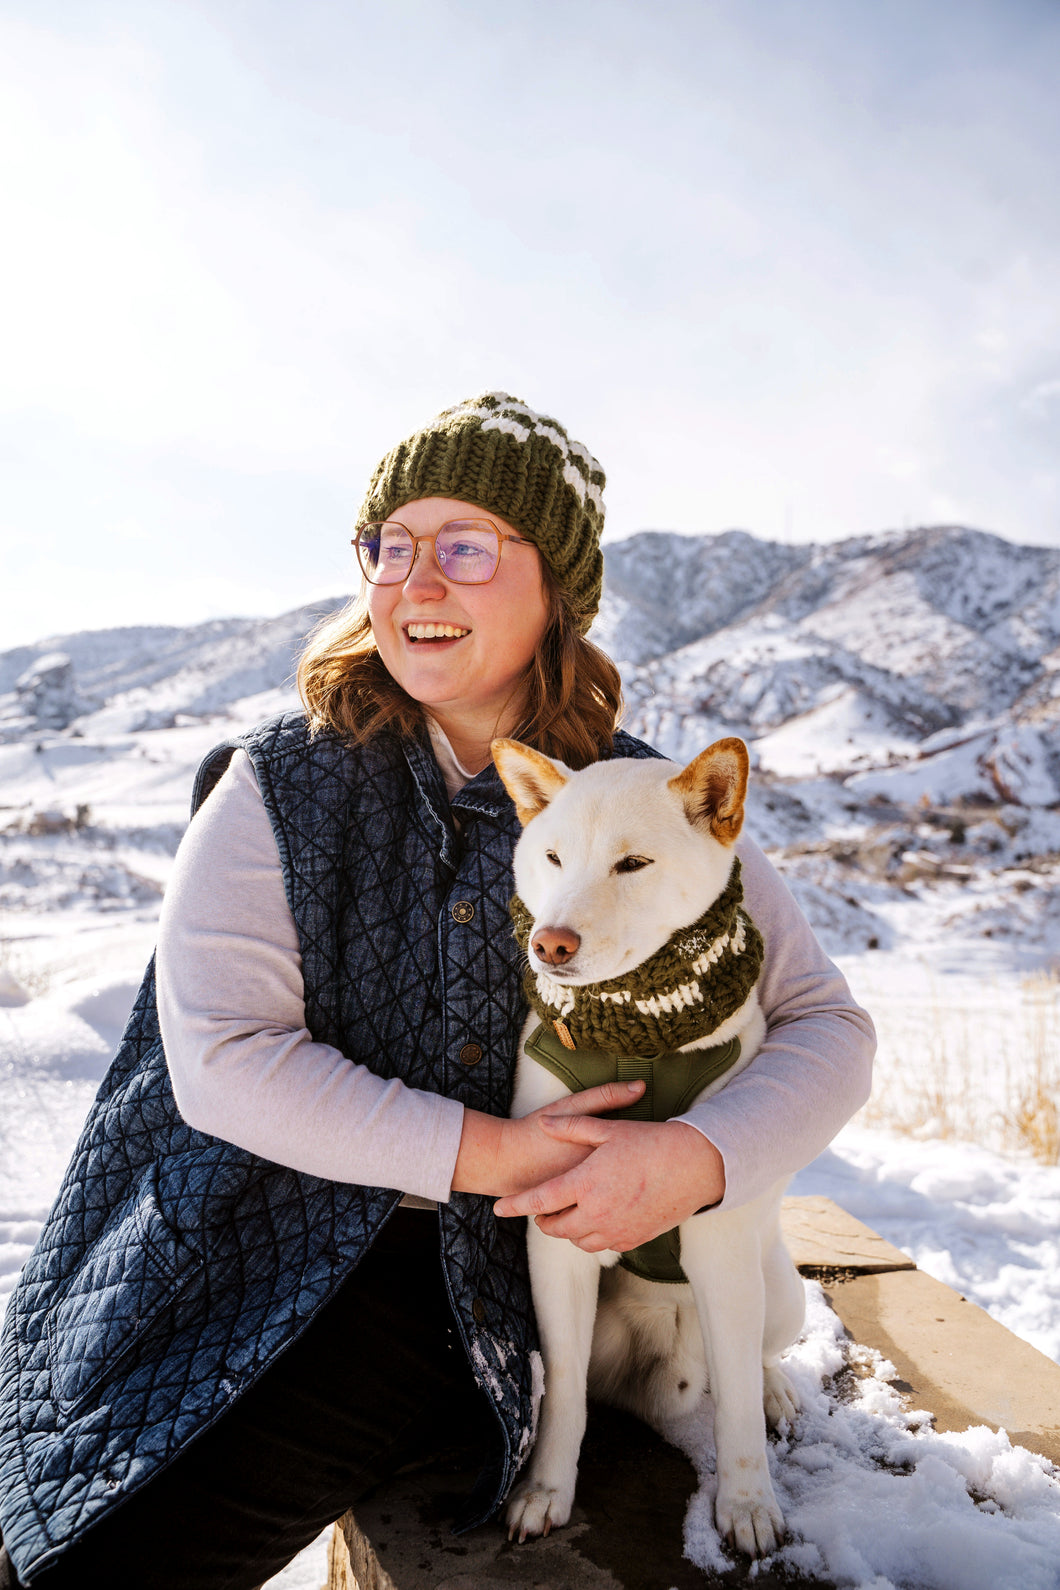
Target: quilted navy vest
173,1266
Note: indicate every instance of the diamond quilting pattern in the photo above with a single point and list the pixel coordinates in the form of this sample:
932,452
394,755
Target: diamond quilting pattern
173,1266
132,1272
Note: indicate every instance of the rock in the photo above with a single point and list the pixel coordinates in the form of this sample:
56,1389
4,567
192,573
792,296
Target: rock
46,691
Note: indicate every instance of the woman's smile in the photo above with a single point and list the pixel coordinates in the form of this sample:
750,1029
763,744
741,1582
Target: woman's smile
436,631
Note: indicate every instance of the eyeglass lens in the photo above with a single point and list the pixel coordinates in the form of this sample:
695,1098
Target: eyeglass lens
467,552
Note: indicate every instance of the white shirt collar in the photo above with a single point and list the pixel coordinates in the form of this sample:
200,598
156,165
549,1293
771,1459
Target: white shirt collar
453,772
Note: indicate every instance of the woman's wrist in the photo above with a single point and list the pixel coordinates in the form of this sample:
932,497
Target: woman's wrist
710,1171
479,1154
499,1155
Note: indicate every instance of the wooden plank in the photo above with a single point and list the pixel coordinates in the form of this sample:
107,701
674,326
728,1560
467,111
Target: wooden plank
352,1561
626,1531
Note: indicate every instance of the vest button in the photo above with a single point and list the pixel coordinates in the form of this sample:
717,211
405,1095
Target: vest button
478,1309
471,1054
463,911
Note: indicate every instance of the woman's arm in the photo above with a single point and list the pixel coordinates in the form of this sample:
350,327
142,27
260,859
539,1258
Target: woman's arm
246,1069
814,1069
243,1064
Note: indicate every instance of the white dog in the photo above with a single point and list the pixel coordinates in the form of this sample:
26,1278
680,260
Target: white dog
624,872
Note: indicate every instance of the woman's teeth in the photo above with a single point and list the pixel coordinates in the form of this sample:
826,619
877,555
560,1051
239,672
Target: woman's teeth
435,631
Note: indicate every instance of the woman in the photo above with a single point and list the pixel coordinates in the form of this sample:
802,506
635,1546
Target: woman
242,1313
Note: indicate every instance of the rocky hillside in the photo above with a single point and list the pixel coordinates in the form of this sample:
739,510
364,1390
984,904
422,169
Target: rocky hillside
148,677
900,694
880,655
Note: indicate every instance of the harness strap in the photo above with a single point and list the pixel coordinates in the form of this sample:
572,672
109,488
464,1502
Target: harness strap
671,1081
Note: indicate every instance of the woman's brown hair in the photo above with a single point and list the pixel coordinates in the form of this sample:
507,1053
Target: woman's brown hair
573,690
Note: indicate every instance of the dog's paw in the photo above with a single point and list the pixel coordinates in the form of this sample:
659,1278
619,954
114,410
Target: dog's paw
747,1514
535,1508
780,1398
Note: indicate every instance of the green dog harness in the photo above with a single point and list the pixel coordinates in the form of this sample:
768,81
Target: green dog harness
671,1082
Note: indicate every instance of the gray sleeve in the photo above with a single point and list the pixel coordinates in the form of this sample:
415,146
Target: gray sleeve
230,1002
814,1068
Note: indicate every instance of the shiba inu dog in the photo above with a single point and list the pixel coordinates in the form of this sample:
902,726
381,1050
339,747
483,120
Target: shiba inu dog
628,901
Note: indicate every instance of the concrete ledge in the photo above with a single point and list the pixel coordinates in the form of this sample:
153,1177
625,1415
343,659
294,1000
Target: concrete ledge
822,1237
952,1358
626,1532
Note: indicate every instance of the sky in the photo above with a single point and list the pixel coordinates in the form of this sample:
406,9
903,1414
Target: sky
791,266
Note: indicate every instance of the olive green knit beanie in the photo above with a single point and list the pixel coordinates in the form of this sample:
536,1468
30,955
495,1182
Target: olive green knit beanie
495,452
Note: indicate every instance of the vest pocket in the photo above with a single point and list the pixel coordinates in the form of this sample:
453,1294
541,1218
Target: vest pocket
132,1272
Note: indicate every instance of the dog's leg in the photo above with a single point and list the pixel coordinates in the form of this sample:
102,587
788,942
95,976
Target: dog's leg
721,1256
565,1283
785,1315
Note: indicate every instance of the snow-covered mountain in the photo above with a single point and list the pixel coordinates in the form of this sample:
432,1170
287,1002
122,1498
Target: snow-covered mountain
851,657
900,694
879,657
146,677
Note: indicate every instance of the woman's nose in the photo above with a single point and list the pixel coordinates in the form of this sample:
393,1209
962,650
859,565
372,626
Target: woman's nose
424,577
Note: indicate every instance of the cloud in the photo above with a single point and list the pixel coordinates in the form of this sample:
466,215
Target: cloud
776,268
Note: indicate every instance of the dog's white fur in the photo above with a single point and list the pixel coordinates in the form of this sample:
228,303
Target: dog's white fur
654,1348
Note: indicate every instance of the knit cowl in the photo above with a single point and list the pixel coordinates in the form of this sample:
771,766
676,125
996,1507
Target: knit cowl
700,977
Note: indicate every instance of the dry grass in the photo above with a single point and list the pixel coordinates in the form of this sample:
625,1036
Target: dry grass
20,975
985,1068
1034,1119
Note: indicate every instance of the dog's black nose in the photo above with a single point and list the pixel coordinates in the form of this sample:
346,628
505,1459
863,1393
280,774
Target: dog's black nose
555,946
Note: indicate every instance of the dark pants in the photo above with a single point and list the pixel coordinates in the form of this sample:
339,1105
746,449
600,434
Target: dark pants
377,1381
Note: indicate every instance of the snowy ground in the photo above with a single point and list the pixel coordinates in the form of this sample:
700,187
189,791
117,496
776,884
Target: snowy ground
962,983
874,1498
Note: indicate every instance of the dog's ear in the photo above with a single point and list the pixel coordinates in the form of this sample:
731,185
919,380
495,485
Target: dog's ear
530,778
714,787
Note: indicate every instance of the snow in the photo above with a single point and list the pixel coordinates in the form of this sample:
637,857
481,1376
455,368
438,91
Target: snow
912,809
872,1497
851,728
1012,762
307,1571
986,1224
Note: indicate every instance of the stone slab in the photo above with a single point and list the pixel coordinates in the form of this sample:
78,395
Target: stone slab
952,1358
822,1236
625,1533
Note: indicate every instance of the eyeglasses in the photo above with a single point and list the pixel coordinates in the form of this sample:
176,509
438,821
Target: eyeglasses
468,551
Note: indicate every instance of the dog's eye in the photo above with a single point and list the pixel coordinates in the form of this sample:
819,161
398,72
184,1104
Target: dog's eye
632,863
551,854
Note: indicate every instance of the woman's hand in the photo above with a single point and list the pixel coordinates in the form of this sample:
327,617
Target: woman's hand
498,1155
641,1178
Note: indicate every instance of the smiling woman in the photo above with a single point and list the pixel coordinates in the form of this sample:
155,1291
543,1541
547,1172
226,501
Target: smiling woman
239,1313
513,655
